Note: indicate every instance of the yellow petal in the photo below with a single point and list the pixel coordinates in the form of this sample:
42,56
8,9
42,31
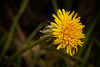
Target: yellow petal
68,49
71,15
78,19
57,41
75,16
59,46
76,50
55,33
58,22
60,12
58,35
66,42
67,13
54,24
67,17
55,16
60,15
71,44
56,30
63,46
63,12
71,52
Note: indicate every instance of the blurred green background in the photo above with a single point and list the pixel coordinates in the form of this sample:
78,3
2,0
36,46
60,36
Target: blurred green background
21,21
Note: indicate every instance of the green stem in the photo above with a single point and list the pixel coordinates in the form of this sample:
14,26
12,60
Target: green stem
18,53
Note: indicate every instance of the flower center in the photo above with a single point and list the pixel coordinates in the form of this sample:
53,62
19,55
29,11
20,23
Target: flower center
68,31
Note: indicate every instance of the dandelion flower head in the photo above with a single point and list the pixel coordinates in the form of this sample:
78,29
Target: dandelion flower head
68,31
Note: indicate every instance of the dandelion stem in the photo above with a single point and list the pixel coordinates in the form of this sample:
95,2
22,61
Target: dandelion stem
18,53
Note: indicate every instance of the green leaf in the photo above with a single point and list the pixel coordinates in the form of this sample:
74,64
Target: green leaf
83,64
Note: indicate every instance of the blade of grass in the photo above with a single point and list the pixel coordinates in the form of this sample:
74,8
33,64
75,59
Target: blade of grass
88,34
34,32
54,2
67,64
98,61
18,53
10,34
3,38
36,57
85,60
12,16
19,59
98,43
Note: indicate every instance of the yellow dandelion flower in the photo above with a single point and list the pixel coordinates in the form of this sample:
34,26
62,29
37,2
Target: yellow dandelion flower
68,31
